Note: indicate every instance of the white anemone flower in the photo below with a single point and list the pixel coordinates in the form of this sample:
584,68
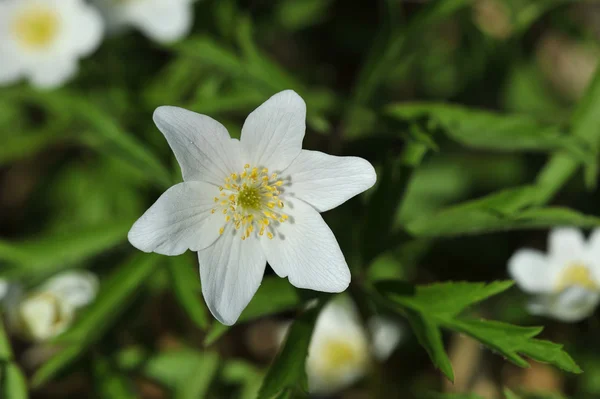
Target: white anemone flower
50,309
3,288
566,281
164,21
341,351
245,202
42,40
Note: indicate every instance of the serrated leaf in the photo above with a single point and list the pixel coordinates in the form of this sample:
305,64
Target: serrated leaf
94,321
287,372
513,341
488,130
274,295
185,283
46,255
13,384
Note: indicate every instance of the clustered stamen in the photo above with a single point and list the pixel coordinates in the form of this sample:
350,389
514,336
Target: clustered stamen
250,200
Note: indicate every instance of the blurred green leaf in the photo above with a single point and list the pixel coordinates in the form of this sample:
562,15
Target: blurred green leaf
438,395
585,125
115,294
109,383
436,306
274,295
508,394
488,130
24,144
185,283
46,255
287,372
244,374
13,384
300,14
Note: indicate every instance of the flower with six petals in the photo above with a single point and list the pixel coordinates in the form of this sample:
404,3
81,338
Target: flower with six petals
245,202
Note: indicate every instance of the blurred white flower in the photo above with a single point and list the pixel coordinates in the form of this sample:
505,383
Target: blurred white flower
3,288
245,202
50,309
42,40
341,352
164,21
566,281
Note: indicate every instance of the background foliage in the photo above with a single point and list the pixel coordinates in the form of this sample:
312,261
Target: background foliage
481,117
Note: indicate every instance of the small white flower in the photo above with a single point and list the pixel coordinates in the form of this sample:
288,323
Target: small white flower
3,288
245,202
340,351
42,40
163,21
566,281
49,310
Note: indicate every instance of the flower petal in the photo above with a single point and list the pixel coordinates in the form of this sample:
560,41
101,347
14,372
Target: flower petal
52,73
78,287
231,271
201,145
385,336
272,134
593,253
566,245
326,181
3,288
531,271
86,28
571,305
162,21
305,250
180,219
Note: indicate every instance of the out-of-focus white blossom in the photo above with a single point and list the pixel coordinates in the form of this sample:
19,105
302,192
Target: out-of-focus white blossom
341,351
50,309
566,281
3,288
163,21
42,40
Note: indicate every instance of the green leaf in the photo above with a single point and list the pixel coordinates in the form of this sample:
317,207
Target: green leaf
287,372
93,323
508,394
488,130
438,395
24,144
109,382
513,341
245,374
13,384
273,296
185,283
584,126
300,14
211,53
46,255
432,307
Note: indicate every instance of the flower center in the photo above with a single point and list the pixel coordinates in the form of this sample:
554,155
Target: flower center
36,27
250,200
577,274
337,353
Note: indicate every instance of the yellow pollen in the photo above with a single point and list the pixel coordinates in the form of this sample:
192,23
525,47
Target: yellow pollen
36,27
247,200
577,274
338,354
221,230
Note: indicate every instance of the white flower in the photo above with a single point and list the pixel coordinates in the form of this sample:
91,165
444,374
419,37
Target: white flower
3,288
340,351
245,202
42,40
566,281
50,309
164,21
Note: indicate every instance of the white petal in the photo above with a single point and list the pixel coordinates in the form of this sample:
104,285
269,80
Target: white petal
3,288
78,287
164,22
51,74
531,271
202,145
326,181
179,220
571,305
305,250
11,69
272,134
386,334
87,29
566,245
231,271
44,315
